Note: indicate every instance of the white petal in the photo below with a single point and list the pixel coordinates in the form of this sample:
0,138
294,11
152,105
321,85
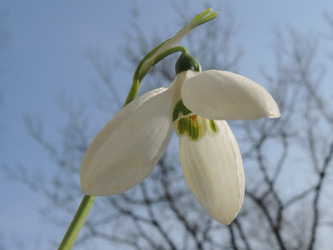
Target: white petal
213,170
222,95
126,150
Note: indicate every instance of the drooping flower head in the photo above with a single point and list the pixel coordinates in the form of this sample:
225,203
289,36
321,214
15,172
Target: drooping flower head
196,106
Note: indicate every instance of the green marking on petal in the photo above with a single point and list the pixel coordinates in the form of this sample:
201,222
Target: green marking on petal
180,108
195,127
181,126
191,129
189,126
213,126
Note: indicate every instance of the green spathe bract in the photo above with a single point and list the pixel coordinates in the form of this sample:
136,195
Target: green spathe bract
187,62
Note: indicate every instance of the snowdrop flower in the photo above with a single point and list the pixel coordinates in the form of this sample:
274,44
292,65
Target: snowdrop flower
195,105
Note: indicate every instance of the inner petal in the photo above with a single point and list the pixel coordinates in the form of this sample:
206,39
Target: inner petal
213,171
195,127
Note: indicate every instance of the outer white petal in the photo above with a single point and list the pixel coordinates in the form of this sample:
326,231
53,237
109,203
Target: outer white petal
222,95
126,150
213,170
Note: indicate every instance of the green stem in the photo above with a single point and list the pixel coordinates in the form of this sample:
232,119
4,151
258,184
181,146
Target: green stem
77,223
141,72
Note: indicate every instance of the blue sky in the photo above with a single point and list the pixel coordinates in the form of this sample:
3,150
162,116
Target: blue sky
45,57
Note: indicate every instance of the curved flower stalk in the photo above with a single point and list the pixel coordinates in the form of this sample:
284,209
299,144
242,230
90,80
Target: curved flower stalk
155,55
166,48
195,105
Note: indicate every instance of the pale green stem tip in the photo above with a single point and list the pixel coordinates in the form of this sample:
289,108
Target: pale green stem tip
204,17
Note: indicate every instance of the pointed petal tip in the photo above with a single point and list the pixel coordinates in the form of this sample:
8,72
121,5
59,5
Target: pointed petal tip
225,220
269,113
226,214
275,114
